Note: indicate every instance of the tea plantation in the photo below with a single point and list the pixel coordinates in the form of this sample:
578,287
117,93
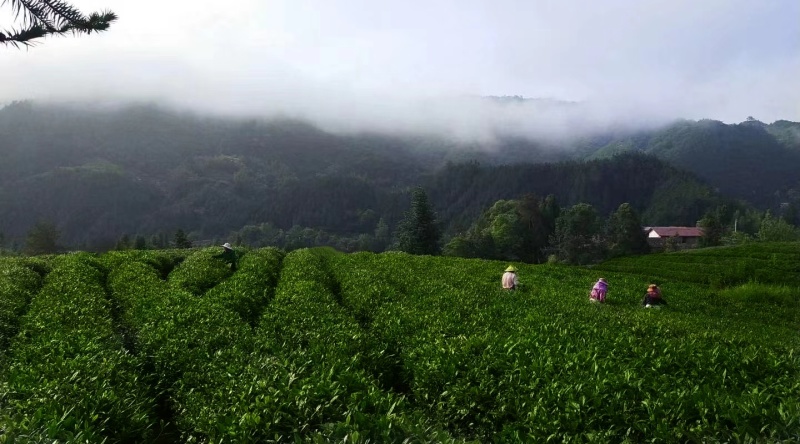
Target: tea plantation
318,346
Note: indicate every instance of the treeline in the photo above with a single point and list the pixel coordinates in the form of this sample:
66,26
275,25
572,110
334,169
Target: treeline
93,206
537,230
530,229
142,173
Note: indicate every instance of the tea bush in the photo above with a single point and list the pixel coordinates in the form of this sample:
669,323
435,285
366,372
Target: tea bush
320,346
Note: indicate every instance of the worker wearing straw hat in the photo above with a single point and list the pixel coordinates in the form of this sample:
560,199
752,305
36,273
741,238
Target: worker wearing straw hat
510,280
228,255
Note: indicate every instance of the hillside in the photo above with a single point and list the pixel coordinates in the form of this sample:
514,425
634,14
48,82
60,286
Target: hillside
326,347
142,170
751,160
768,263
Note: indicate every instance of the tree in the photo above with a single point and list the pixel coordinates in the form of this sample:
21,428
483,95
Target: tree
507,231
159,240
381,236
140,243
537,226
517,230
460,246
41,18
624,232
790,213
42,239
713,230
124,243
577,238
181,240
418,232
776,230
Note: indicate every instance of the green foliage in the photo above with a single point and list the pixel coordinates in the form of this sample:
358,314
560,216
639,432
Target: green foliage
200,271
181,240
499,233
516,230
713,229
163,261
765,263
418,232
42,239
17,286
736,238
577,238
124,243
68,376
749,161
139,243
252,287
776,230
678,201
164,170
188,340
320,346
624,233
754,293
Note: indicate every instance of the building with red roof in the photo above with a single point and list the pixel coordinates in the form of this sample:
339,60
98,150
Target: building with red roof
679,237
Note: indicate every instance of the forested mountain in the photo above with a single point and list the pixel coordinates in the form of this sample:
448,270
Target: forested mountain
751,160
665,195
98,174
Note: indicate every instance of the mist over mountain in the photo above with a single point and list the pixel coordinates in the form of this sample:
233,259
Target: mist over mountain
102,172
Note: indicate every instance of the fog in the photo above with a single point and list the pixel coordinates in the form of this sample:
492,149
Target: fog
426,67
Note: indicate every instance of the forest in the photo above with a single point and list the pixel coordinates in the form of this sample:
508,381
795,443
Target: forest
108,178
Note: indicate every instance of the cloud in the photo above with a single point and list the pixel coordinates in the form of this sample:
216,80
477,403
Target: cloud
413,66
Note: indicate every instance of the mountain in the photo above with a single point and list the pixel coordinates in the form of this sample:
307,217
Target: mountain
751,160
100,173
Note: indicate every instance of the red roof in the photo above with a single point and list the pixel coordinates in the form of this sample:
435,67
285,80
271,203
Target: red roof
677,231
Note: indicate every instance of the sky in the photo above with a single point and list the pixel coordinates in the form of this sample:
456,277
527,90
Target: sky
390,65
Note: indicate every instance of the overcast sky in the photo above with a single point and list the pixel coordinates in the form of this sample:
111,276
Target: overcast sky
360,64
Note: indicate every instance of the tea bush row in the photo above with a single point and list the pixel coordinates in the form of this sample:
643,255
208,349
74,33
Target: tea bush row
69,378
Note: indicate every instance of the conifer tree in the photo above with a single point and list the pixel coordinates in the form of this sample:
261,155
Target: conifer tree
140,243
124,243
181,240
418,232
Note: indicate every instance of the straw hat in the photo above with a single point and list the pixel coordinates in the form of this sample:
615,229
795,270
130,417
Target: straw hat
511,268
227,245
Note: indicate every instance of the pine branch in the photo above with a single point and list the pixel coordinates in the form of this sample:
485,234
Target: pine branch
98,21
52,17
33,12
22,37
63,13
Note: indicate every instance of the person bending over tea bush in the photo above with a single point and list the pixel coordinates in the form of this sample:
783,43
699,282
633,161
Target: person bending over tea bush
510,280
653,299
598,293
228,255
